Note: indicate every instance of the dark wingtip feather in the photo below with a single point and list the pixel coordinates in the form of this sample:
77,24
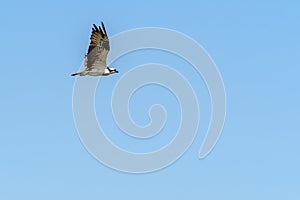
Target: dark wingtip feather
101,32
103,27
95,27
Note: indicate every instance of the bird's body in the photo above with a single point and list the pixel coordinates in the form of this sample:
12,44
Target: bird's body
95,59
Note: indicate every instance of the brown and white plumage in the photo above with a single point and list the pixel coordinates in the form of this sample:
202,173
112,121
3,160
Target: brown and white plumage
95,59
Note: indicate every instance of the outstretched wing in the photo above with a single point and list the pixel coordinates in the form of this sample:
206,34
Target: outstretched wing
98,48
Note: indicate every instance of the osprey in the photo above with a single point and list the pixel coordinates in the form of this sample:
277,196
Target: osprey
95,59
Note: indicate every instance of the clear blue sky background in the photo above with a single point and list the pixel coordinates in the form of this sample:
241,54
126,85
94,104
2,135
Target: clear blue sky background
256,46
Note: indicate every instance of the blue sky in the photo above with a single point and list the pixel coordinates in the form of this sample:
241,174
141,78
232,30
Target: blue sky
256,47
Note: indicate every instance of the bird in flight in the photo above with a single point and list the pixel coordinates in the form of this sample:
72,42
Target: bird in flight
95,59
